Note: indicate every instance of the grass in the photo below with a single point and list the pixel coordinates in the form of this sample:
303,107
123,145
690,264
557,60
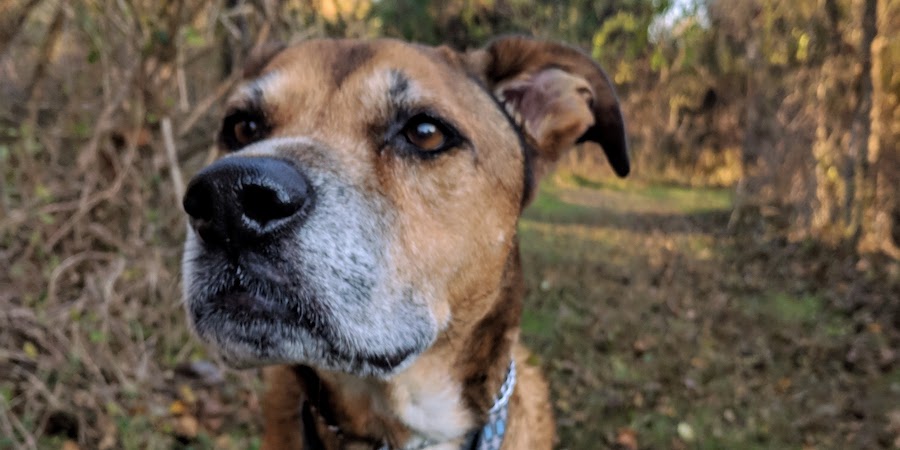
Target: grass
648,318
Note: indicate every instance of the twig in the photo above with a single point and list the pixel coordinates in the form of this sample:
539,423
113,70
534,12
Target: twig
54,31
204,105
13,23
184,104
29,441
67,264
172,155
6,426
89,202
105,119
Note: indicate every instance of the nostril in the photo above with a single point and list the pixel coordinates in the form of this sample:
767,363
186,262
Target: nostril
263,204
198,202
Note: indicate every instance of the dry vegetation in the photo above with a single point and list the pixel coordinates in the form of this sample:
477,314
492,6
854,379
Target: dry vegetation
661,324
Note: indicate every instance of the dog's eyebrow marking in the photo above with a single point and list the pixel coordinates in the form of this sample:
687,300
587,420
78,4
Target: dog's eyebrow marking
253,92
399,84
348,59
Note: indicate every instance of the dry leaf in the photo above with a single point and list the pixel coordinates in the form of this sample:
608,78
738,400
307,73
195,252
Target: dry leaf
224,442
110,436
627,438
187,426
177,408
187,394
784,384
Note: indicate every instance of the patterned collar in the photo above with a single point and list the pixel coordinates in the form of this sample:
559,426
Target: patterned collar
490,436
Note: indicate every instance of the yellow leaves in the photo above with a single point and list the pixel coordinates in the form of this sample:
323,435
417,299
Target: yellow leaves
802,47
30,349
183,405
186,424
334,10
187,394
624,72
177,408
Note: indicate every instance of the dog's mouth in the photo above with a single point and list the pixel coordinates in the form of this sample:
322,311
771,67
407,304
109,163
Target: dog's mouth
255,322
240,302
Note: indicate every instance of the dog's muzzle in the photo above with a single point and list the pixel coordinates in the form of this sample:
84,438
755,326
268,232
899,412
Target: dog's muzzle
242,201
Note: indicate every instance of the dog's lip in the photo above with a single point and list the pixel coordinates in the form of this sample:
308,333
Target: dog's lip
385,362
239,300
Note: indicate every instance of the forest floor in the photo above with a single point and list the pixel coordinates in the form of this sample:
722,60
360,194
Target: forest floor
657,327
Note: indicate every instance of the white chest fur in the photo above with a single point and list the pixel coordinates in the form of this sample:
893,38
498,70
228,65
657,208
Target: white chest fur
429,402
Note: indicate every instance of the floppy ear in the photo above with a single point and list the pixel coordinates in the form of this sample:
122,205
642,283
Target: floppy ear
557,95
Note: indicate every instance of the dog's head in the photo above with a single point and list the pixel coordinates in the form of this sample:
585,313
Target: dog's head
371,192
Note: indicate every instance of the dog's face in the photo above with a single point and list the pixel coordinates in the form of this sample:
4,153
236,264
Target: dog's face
370,196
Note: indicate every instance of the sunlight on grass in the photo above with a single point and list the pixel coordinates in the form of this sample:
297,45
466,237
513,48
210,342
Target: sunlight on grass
787,308
630,194
627,308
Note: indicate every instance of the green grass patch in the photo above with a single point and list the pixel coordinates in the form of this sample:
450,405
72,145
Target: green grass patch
788,309
539,324
689,199
584,182
548,204
571,197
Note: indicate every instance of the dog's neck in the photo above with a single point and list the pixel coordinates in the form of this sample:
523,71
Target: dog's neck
443,396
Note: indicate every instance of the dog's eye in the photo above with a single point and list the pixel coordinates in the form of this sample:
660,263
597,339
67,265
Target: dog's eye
242,128
426,133
247,131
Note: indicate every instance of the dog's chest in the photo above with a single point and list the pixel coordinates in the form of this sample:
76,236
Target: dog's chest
424,398
430,403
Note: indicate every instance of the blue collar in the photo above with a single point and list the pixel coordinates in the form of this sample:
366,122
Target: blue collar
490,437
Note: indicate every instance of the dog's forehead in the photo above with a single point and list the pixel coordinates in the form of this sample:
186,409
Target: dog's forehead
346,65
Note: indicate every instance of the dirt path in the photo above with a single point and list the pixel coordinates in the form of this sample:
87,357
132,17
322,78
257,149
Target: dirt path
659,331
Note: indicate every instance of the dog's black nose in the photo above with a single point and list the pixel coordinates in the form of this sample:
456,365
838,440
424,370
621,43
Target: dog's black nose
242,200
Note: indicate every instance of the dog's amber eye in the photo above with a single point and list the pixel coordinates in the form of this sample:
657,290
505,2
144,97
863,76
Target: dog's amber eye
425,134
242,128
247,131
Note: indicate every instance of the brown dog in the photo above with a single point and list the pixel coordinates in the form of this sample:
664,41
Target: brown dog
360,238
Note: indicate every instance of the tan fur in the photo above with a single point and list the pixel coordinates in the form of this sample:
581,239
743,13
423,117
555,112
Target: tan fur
334,95
533,427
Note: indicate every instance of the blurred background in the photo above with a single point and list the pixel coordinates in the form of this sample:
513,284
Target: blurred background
740,290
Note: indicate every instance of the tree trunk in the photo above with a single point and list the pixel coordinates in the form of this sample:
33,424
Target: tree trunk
831,125
860,189
881,225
